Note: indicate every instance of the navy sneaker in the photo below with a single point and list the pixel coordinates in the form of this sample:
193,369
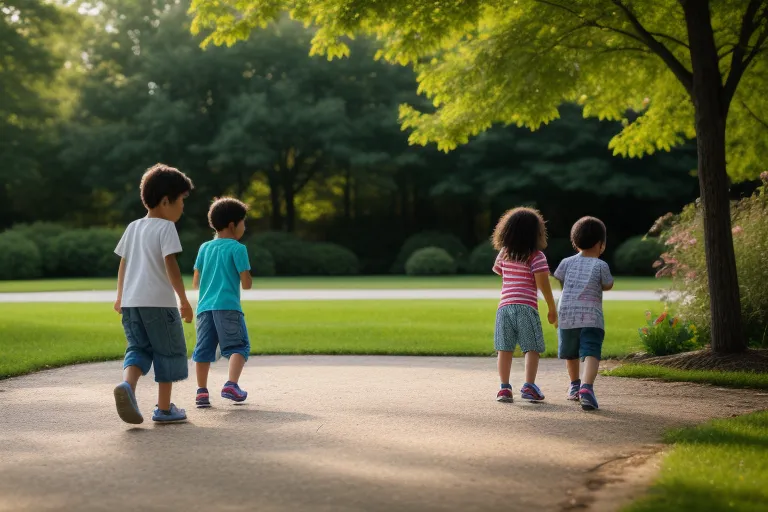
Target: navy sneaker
172,415
531,392
588,400
573,391
202,399
127,408
232,391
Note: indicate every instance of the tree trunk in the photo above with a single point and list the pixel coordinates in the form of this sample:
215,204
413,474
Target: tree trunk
348,195
710,108
276,217
290,204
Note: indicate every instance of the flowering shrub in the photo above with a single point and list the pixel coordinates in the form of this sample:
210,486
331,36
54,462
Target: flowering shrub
668,335
684,261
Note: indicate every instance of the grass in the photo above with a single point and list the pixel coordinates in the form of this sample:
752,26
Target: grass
36,336
722,465
717,378
361,282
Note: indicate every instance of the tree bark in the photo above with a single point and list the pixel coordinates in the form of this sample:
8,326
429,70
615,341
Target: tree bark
710,115
290,209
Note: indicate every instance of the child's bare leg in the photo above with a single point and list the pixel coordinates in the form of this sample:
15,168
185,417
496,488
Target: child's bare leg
591,365
131,375
164,395
201,369
504,364
531,366
573,369
236,364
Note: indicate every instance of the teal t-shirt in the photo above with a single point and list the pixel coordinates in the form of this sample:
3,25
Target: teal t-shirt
220,263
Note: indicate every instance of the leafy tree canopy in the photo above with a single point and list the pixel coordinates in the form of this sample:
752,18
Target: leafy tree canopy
483,62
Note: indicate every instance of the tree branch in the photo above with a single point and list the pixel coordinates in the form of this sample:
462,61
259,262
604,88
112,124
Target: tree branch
740,60
673,39
681,72
754,116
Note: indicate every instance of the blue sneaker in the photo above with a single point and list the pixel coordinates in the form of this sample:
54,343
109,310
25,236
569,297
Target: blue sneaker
202,400
173,415
232,391
127,408
531,392
573,391
588,400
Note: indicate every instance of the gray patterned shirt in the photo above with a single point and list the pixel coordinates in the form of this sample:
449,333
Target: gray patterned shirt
581,304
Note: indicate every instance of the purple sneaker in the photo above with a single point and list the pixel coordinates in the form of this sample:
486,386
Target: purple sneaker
588,399
232,391
573,392
531,392
202,400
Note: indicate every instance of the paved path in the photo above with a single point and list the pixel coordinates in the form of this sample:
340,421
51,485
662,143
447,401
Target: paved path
277,295
330,433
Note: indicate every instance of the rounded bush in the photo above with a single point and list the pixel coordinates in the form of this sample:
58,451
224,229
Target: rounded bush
636,256
448,242
482,258
289,253
430,261
332,260
262,263
87,252
557,250
19,257
42,234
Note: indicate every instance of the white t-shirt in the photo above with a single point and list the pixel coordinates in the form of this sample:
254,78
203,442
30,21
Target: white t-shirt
144,245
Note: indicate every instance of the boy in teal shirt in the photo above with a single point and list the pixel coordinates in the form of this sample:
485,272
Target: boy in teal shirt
220,269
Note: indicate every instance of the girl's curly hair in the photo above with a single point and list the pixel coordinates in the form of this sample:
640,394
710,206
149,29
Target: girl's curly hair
517,233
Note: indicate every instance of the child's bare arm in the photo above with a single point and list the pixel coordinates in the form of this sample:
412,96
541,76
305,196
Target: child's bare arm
543,284
196,280
246,280
174,275
607,287
120,280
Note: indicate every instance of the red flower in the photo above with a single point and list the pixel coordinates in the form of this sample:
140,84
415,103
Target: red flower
661,318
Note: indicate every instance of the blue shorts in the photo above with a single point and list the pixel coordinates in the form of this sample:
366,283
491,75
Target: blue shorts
220,328
156,336
580,343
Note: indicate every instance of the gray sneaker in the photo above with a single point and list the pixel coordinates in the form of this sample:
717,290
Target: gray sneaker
172,415
127,408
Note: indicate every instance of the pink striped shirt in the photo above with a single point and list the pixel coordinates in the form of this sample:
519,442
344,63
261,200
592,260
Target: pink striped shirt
518,281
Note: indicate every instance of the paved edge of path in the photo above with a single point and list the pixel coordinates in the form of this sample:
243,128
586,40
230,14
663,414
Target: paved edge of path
318,295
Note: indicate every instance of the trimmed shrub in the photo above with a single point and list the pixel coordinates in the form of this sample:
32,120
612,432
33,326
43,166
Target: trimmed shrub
482,259
636,256
19,257
430,261
87,252
446,241
557,250
289,253
262,263
42,234
332,260
667,335
190,245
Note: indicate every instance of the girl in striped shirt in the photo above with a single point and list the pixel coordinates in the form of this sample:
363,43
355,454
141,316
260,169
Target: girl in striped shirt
520,236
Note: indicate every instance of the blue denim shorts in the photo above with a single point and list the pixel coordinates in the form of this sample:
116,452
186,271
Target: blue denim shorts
580,343
156,337
225,329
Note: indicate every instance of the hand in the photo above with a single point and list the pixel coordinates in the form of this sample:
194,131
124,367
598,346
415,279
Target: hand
119,306
552,317
186,312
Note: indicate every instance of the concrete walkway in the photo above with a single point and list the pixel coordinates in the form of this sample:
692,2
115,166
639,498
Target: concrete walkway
282,295
330,433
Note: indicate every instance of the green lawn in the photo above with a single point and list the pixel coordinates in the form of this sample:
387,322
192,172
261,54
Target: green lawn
36,336
362,282
722,465
717,378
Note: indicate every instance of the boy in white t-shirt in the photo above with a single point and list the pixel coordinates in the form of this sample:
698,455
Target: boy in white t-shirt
148,276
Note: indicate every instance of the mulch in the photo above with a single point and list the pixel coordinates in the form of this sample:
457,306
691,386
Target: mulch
752,360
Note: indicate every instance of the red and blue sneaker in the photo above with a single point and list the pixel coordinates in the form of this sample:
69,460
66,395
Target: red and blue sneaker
573,391
587,398
505,395
531,392
202,400
232,391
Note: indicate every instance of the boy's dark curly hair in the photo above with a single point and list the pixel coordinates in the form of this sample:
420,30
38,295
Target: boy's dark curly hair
587,233
161,181
225,210
517,233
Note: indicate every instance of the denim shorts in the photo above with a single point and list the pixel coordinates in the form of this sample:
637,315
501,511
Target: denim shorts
156,337
225,329
580,343
517,324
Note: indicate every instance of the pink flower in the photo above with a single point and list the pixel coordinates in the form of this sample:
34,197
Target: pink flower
692,241
657,264
737,230
764,177
691,275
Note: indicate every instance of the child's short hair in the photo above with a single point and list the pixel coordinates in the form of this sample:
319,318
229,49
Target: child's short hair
161,181
587,232
517,233
225,210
